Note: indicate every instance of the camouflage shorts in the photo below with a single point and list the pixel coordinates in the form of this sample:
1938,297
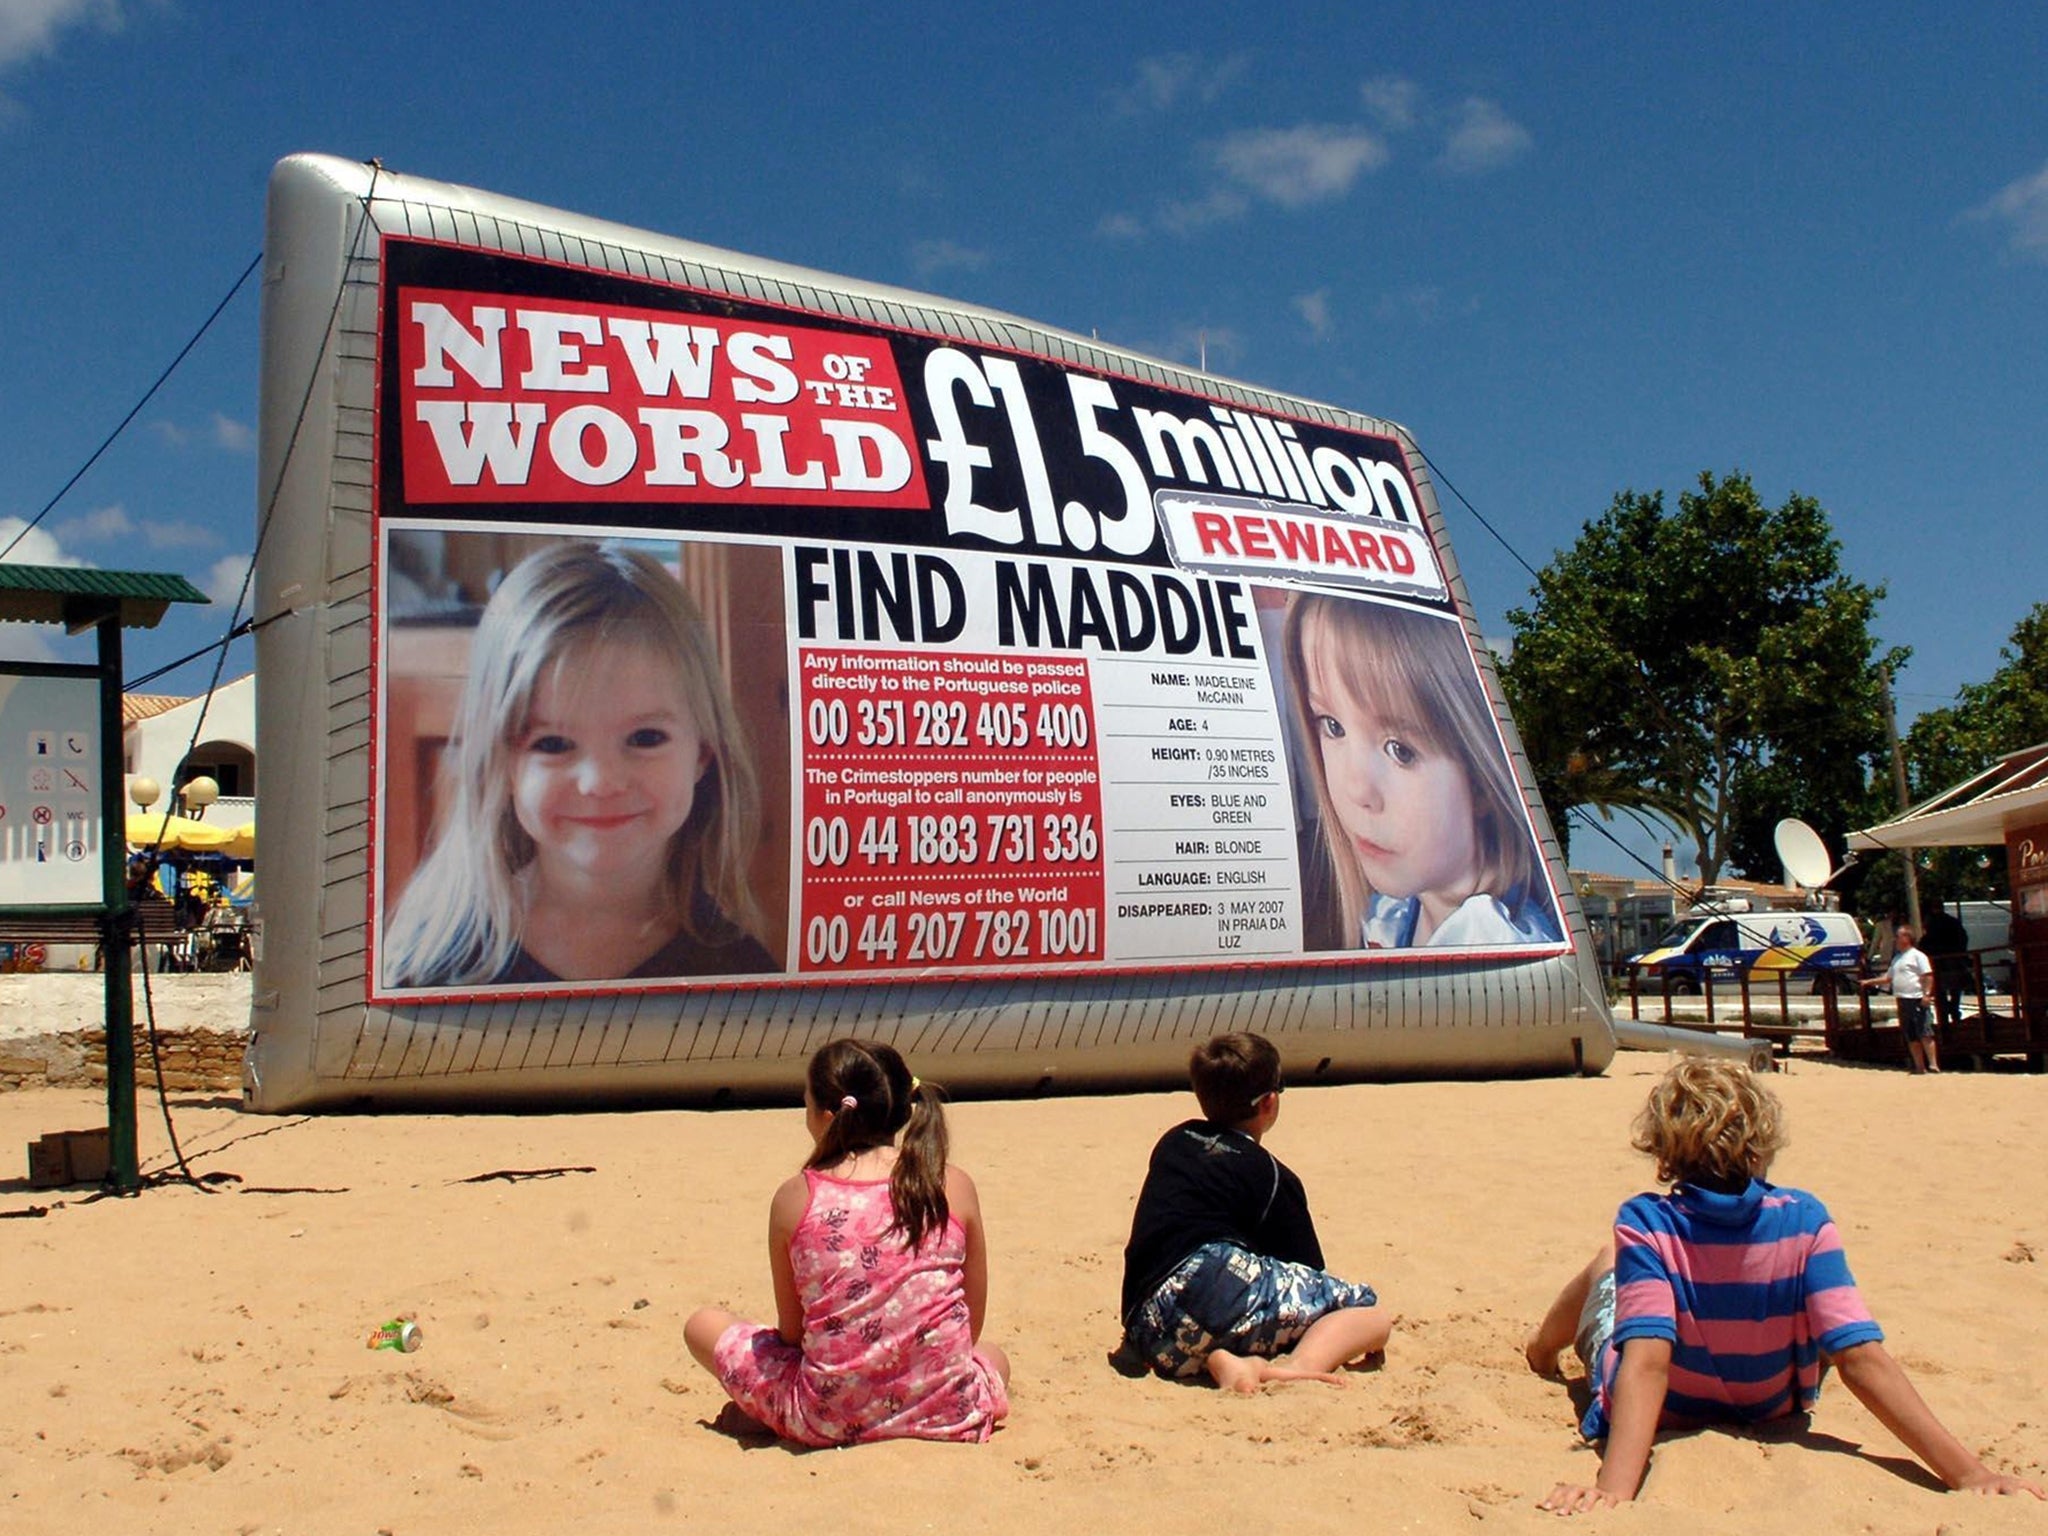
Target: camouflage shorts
1225,1297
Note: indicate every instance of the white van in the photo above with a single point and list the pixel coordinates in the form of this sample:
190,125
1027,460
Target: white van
1728,945
1988,926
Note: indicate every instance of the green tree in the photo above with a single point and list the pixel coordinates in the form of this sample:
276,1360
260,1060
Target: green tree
1712,666
1988,719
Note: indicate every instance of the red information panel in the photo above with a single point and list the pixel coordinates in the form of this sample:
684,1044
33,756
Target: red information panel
952,811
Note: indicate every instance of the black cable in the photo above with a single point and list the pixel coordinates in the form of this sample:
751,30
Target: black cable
1498,537
247,626
236,627
185,1174
135,410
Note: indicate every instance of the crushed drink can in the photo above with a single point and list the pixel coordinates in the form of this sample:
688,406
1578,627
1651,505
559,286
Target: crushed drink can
400,1333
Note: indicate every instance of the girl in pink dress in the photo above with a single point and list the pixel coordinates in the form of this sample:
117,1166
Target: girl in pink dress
881,1275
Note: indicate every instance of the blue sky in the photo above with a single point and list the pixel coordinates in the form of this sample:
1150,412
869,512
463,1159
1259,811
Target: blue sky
1575,249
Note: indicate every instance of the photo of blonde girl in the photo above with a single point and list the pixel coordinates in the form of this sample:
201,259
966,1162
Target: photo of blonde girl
1423,839
599,806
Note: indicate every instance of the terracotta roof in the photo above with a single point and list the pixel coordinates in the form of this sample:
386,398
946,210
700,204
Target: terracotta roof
140,706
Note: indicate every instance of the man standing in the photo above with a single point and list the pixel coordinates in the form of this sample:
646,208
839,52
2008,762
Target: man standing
1911,979
1947,944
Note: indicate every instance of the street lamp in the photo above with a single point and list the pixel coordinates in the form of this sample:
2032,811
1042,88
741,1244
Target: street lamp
145,792
198,793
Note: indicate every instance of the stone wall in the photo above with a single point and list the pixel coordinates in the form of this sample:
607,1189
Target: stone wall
207,1059
53,1034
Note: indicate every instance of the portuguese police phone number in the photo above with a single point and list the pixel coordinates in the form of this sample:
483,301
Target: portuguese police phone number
943,723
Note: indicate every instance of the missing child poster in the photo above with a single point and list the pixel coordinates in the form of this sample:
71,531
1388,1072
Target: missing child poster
721,639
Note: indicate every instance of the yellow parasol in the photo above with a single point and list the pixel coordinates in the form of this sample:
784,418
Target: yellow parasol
241,843
156,829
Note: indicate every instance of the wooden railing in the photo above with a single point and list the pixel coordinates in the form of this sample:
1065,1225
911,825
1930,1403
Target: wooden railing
1849,1021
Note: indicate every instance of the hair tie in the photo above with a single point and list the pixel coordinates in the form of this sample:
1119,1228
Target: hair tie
848,1101
916,1083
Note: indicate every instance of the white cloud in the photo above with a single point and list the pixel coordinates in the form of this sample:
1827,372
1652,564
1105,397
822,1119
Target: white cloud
178,535
1315,309
29,28
1312,162
108,522
933,256
1169,79
40,546
1483,138
1219,207
2022,208
1394,101
223,583
1297,166
233,435
222,430
27,642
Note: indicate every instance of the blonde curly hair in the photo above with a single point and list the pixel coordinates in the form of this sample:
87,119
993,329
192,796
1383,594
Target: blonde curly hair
1710,1121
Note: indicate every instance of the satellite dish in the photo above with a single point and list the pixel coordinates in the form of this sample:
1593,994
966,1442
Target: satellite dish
1805,856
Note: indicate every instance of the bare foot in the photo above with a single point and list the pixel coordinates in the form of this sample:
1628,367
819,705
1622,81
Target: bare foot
1235,1373
1274,1371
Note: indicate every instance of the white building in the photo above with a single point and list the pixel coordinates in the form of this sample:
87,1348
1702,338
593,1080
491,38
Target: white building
157,742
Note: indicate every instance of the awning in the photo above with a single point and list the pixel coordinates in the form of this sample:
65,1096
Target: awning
166,833
1976,813
81,596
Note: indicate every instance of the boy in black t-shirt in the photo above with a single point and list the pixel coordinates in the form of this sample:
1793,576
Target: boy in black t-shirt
1223,1272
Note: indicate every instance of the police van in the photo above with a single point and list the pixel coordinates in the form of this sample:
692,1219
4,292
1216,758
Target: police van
1725,946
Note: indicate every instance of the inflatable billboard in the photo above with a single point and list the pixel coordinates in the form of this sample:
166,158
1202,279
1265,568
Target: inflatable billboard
673,660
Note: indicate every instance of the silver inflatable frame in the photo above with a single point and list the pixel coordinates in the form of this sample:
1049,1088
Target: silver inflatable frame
317,1041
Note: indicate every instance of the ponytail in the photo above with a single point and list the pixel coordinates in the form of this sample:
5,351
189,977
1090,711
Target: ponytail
885,1100
917,1184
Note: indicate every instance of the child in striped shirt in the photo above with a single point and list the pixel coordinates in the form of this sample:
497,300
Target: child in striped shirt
1718,1302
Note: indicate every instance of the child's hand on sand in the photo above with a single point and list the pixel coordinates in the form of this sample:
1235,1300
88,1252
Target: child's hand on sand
2000,1483
1574,1499
1542,1360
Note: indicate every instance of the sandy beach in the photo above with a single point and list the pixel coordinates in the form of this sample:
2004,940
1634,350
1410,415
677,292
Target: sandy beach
189,1361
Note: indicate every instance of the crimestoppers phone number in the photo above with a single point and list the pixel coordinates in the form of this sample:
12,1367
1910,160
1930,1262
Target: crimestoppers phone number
1002,841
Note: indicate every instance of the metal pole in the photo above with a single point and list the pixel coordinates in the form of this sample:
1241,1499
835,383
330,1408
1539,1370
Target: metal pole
1891,731
118,928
